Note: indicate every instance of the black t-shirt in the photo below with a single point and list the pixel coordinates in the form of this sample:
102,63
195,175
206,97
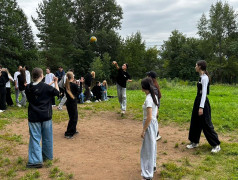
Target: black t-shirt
122,78
40,101
76,90
21,82
3,79
88,79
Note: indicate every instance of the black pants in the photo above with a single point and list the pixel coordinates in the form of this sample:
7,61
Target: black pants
199,123
3,98
8,97
87,93
73,117
53,100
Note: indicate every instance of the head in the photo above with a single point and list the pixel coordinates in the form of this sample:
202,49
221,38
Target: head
124,67
37,74
60,68
104,83
93,74
69,78
98,83
26,68
151,74
47,70
19,67
201,65
147,87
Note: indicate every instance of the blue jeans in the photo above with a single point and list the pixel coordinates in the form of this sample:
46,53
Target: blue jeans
37,131
81,98
104,95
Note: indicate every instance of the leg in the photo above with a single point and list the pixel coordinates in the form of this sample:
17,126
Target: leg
17,96
73,118
3,98
119,94
23,99
47,140
208,127
8,97
87,92
62,102
123,99
35,152
148,151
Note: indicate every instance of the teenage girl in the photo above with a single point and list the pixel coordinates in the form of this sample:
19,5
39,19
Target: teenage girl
150,128
72,91
201,115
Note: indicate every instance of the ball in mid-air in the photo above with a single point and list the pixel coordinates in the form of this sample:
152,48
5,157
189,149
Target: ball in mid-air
93,39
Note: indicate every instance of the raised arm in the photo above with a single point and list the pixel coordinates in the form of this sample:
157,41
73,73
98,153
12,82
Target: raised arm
115,63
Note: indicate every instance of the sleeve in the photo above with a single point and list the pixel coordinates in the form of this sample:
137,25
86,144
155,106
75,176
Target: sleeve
204,82
53,91
129,77
15,76
148,102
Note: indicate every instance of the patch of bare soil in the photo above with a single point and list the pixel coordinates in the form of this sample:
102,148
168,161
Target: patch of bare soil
107,147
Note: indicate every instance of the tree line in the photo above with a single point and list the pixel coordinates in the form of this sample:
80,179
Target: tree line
65,27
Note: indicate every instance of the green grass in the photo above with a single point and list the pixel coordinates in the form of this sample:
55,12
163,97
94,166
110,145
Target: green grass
176,107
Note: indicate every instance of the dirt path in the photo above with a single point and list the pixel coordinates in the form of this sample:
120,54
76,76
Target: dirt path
107,147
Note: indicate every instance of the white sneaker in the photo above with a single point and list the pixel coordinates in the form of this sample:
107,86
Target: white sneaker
18,105
216,149
158,137
53,105
1,111
192,145
59,108
88,101
96,101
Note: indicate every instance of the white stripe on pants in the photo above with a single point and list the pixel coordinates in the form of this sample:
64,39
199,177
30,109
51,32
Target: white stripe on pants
63,100
121,93
149,151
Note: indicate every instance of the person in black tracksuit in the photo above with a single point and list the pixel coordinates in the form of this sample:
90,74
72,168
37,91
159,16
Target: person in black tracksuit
201,114
72,91
3,80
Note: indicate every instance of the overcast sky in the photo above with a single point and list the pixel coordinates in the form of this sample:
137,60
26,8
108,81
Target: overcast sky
155,19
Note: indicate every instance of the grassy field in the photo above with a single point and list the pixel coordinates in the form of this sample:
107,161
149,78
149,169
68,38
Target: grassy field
176,107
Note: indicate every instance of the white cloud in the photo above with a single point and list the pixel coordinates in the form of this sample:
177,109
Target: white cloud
155,19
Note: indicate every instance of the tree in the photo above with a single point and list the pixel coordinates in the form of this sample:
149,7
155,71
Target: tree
218,35
56,32
17,45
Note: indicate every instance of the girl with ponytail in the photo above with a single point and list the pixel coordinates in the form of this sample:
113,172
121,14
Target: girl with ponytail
150,128
72,91
201,114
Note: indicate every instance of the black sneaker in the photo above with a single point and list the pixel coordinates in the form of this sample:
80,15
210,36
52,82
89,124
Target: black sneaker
29,165
155,169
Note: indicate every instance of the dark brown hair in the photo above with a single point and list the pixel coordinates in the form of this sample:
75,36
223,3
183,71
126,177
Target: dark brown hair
36,74
203,66
23,74
146,84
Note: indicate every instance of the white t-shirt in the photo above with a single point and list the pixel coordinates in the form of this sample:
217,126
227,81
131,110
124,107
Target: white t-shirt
8,84
149,103
49,78
28,77
15,76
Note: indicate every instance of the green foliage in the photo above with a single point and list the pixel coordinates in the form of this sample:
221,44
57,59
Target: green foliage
17,45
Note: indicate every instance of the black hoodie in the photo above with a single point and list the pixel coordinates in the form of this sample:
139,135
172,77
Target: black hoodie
39,97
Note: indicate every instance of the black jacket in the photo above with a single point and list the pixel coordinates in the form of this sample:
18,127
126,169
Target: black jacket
40,101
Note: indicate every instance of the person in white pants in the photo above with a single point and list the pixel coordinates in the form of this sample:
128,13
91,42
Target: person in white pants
150,128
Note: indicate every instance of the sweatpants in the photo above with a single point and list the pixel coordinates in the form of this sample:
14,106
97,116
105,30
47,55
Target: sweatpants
149,151
73,117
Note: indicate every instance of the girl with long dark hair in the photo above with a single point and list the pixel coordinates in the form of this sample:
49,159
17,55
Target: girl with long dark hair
150,128
201,115
72,91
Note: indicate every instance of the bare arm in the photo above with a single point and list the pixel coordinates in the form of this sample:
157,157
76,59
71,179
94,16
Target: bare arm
115,63
147,122
56,83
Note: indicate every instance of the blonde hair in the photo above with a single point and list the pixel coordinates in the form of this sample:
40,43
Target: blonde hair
105,83
69,76
93,74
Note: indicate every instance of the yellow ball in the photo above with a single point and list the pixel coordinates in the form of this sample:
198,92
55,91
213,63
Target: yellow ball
93,39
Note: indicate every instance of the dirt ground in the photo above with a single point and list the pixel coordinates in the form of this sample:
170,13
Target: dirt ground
107,147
